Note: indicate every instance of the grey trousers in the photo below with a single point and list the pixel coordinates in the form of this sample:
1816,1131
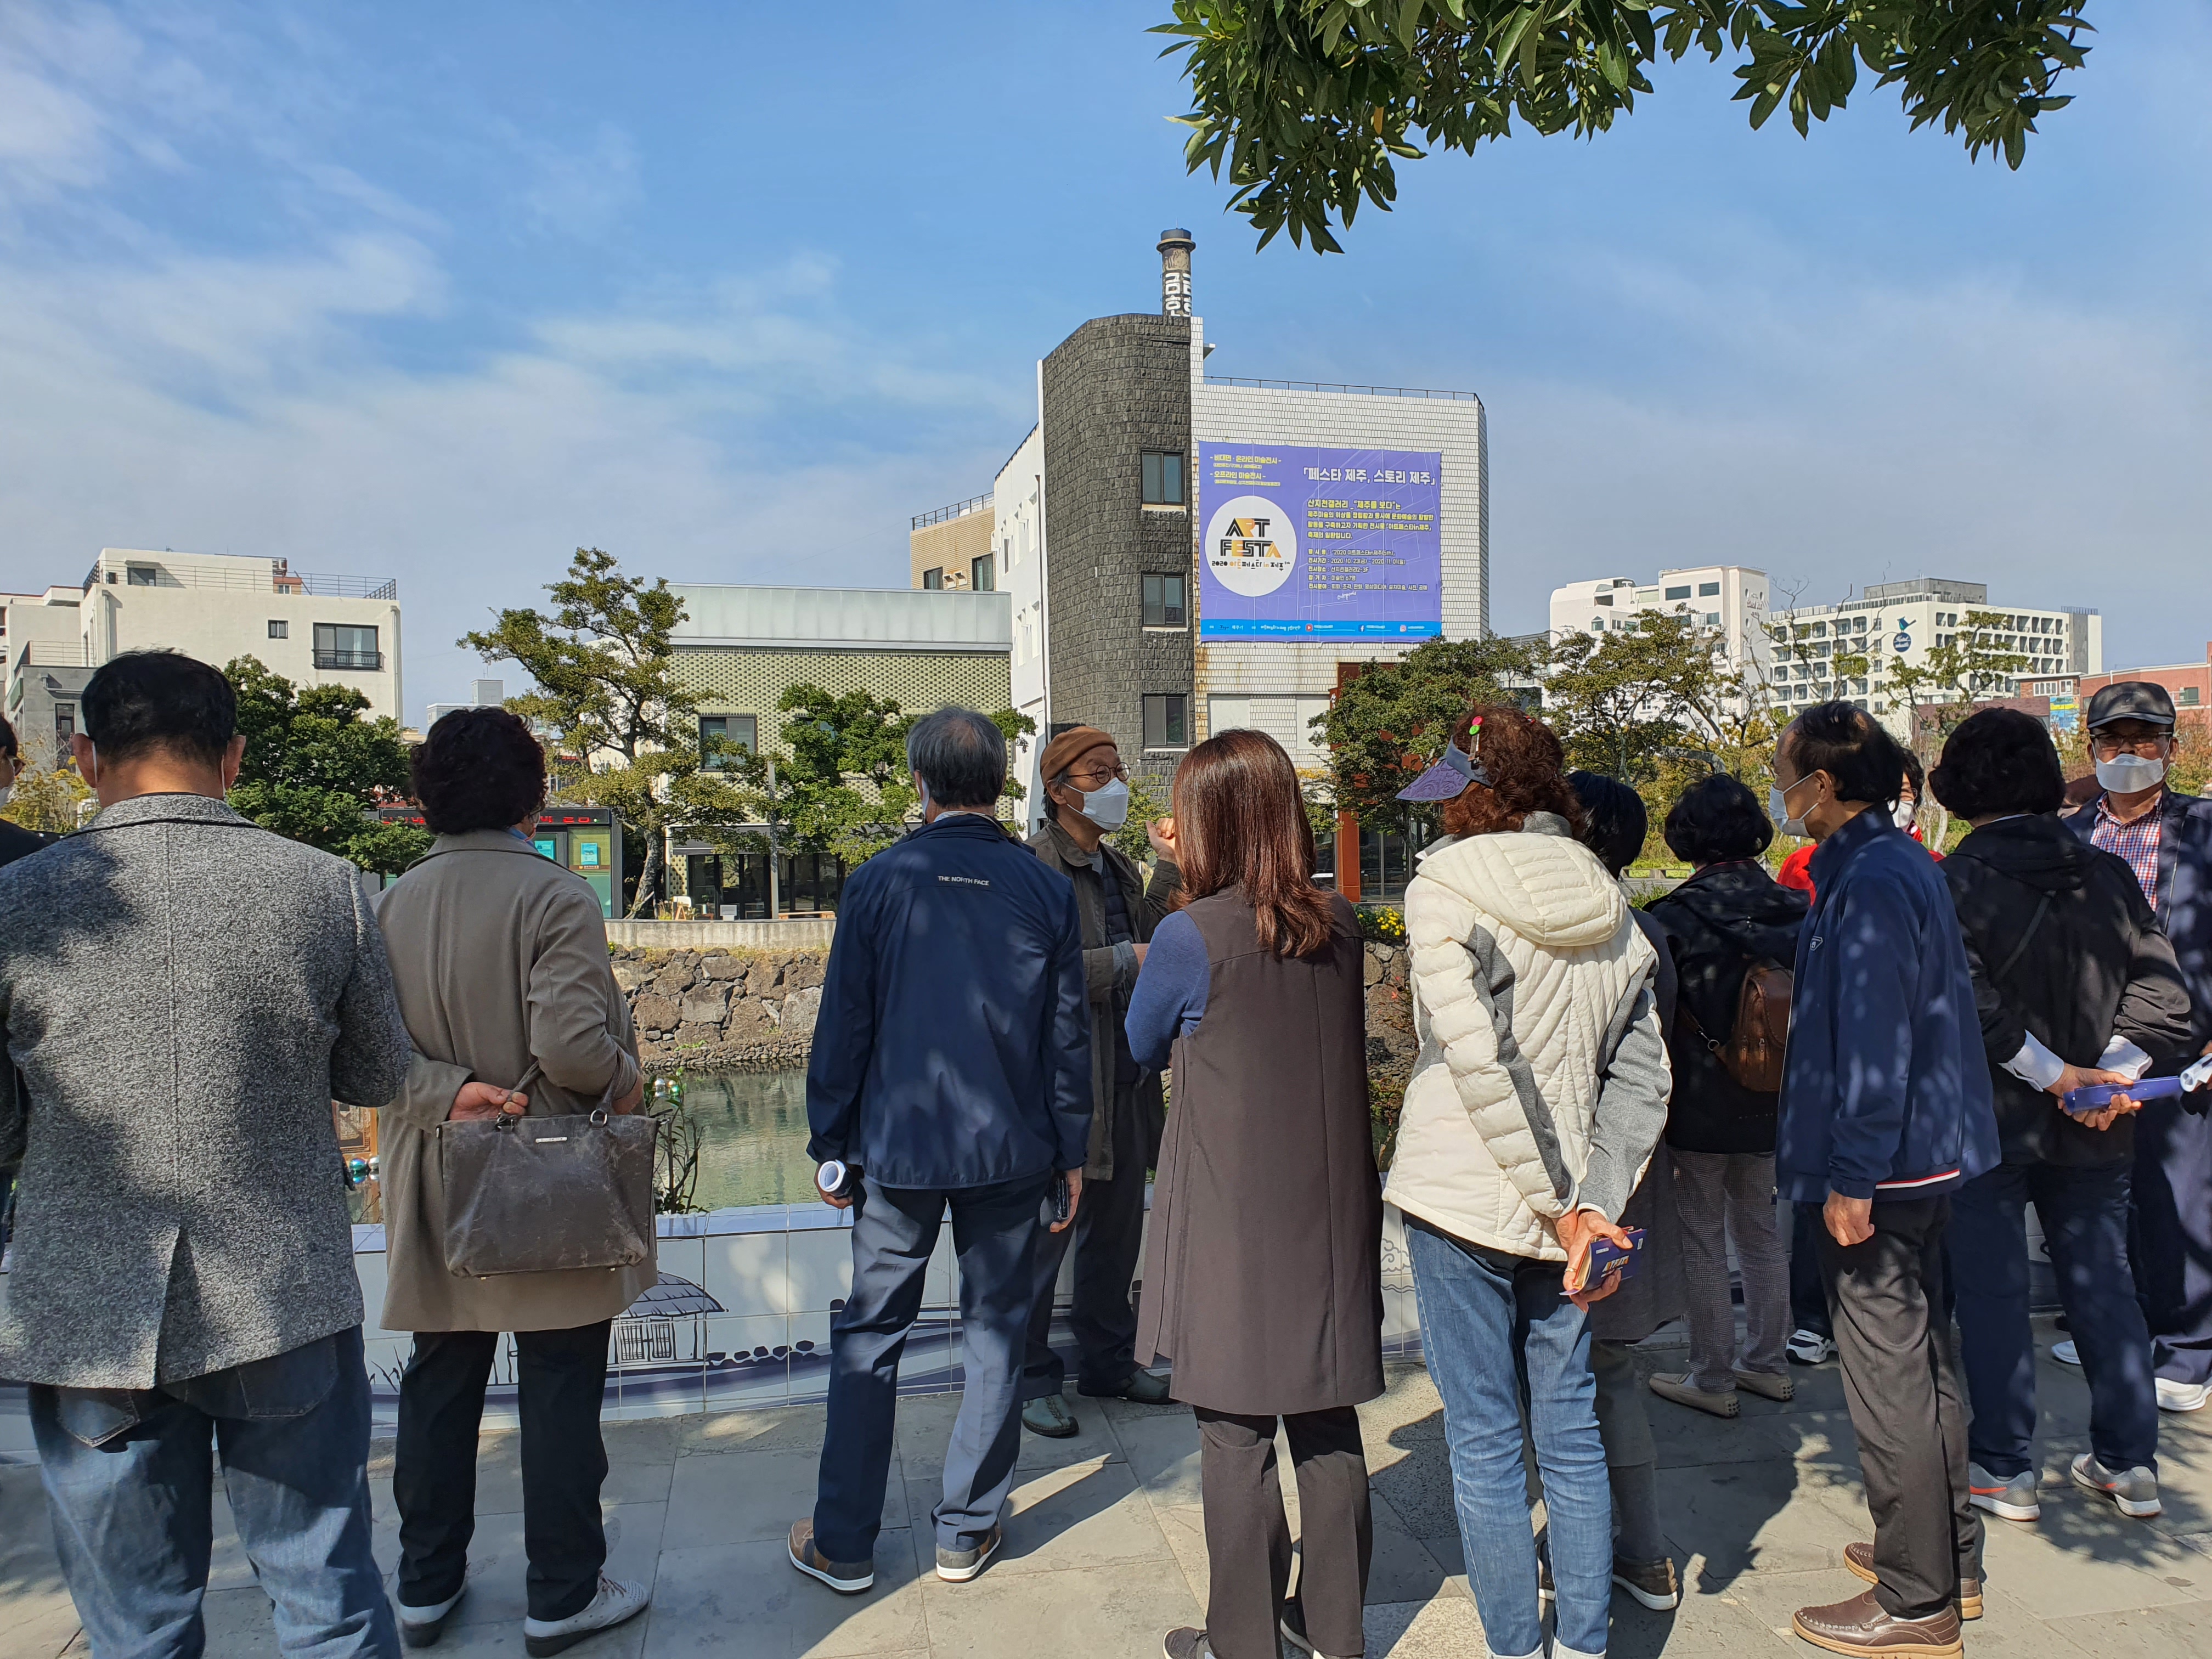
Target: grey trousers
1248,1536
1722,1198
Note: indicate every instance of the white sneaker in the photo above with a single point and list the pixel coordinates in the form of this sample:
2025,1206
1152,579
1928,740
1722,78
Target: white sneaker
419,1627
2065,1352
615,1602
2174,1396
1808,1348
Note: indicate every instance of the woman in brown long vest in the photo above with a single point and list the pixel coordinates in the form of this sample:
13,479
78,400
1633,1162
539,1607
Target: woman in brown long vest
1262,1280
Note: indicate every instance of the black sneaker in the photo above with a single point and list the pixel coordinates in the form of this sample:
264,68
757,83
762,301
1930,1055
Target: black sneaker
1186,1643
958,1566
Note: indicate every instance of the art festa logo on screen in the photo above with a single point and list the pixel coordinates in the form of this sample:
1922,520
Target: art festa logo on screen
1305,542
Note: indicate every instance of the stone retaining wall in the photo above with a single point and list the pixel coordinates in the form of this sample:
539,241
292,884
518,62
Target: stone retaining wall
754,1010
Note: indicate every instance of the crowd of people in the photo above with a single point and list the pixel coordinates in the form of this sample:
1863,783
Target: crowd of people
1605,1105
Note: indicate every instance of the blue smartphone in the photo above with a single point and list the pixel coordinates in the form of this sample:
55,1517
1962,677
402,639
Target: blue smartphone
1605,1255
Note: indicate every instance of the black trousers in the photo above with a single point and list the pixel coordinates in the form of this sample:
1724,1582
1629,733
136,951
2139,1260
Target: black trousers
561,1377
1808,1287
1894,1340
1248,1535
1108,1238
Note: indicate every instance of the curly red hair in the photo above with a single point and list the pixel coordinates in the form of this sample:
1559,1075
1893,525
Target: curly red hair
1527,768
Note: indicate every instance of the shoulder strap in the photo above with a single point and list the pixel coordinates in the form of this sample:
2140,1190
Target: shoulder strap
2042,909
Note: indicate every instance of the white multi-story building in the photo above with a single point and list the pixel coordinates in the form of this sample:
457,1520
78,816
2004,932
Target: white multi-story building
312,629
1903,621
1729,598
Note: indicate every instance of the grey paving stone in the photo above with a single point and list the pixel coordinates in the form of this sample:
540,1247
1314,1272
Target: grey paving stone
1162,1449
1446,1629
1736,1518
782,1428
1099,1612
2006,1625
754,1497
498,1591
1084,1516
2079,1560
747,1599
925,1428
2147,1633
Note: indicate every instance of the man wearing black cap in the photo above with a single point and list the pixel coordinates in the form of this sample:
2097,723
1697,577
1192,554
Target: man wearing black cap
2166,839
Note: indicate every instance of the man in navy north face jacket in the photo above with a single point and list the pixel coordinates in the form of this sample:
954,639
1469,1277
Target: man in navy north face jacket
952,1065
1885,1110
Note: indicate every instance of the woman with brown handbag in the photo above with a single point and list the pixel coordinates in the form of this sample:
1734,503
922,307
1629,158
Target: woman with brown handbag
499,956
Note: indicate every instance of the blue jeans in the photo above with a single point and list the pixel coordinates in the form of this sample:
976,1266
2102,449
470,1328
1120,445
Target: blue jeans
130,1485
1493,1324
994,1230
2084,1221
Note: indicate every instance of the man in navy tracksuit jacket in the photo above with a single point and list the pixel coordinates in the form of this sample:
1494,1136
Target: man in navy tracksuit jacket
1885,1110
951,1063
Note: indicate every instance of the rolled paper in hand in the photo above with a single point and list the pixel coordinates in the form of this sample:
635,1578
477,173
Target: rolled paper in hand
2098,1096
831,1178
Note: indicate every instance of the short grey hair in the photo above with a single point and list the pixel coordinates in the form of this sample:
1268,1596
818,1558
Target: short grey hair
961,755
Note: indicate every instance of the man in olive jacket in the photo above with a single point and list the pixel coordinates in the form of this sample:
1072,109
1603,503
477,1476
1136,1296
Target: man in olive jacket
1086,797
186,994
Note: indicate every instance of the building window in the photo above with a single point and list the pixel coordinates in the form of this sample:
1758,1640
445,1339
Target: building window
983,573
1163,602
1597,624
140,576
1162,478
720,733
2188,697
1681,593
1709,590
1712,619
934,580
1603,598
64,723
1167,721
279,629
338,646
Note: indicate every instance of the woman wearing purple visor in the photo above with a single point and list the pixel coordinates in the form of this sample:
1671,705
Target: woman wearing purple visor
1539,1093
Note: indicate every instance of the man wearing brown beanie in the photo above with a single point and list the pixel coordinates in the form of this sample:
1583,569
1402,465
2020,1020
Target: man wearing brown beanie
1086,799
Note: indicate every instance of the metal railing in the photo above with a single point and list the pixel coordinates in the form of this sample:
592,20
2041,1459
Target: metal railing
1361,391
957,510
370,661
282,581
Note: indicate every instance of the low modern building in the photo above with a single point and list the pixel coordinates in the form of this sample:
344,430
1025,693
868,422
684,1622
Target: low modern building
312,629
42,645
484,694
951,547
1903,621
739,649
2190,684
1728,599
1187,553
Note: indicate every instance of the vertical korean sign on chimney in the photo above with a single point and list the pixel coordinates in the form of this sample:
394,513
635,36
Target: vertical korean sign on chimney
1174,272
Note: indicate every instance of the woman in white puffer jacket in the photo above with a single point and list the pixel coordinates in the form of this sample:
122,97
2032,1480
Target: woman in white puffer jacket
1539,1094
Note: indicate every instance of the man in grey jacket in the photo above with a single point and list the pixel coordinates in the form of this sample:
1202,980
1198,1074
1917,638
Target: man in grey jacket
186,994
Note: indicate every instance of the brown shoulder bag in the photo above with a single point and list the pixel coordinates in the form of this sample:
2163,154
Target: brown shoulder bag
1752,1055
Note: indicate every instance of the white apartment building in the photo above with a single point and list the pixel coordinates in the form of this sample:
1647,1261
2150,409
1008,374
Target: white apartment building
1729,598
1902,622
312,629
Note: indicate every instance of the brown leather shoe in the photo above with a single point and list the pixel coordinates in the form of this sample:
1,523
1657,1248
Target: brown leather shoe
1859,1558
1860,1626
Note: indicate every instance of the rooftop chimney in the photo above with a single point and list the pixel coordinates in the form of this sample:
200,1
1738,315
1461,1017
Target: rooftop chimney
1174,272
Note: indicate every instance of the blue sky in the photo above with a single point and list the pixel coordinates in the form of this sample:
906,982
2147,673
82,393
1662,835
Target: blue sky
442,292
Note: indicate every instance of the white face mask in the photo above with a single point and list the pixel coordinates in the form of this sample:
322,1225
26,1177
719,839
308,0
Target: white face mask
1777,808
1902,814
1108,808
2126,774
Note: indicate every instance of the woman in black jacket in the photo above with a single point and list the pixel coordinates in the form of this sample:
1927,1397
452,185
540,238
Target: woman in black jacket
1720,1135
2072,977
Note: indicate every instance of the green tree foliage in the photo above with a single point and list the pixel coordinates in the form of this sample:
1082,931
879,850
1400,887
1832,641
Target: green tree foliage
625,732
45,798
1388,726
314,769
1308,104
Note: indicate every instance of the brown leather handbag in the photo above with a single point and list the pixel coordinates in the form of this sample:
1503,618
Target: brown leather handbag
532,1194
1751,1053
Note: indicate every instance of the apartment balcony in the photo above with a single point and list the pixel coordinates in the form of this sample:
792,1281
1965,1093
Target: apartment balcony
52,653
368,662
255,580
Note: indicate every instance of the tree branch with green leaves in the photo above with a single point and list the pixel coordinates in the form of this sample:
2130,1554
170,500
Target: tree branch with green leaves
1308,106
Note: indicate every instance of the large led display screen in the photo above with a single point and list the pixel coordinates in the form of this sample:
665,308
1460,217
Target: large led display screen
1319,544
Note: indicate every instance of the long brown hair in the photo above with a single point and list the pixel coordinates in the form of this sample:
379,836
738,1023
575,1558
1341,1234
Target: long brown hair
1527,768
1240,822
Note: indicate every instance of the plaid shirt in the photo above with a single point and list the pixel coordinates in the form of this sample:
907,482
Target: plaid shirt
2136,842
